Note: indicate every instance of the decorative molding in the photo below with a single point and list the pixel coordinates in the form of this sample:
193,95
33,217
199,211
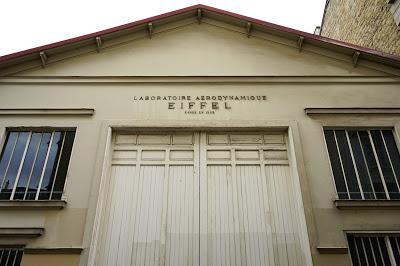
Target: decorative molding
32,204
356,111
332,250
58,250
249,27
150,29
99,43
367,204
43,58
20,232
356,56
371,232
47,111
195,79
199,15
300,43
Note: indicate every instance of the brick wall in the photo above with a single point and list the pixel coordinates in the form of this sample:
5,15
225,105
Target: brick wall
367,23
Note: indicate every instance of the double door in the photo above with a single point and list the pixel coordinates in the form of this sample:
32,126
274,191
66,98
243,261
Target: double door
200,199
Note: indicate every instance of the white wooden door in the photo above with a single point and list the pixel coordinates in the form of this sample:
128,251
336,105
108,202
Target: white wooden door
152,211
200,199
251,216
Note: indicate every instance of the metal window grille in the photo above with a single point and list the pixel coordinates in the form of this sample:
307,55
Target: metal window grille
34,164
365,163
10,256
374,250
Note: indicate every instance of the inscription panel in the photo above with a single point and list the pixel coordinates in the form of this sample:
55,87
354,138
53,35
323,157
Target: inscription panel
199,104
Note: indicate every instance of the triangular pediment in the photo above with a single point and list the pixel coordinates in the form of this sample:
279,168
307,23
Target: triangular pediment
184,45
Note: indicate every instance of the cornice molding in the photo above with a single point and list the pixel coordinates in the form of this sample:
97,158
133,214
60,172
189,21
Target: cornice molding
332,250
47,111
352,111
57,250
6,232
43,80
367,204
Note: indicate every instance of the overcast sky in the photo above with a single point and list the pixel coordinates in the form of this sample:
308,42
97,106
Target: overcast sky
26,24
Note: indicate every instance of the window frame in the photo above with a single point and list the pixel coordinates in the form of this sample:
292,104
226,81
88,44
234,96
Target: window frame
396,137
385,234
33,203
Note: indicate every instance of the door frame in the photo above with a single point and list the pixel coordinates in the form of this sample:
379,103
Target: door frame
103,167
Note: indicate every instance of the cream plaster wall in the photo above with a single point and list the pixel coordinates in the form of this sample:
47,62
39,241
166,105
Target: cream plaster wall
205,50
202,50
115,103
50,260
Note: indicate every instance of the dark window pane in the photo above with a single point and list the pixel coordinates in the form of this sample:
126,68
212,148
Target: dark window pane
37,169
372,165
11,257
384,251
6,154
376,250
51,166
353,251
4,258
336,166
28,166
393,152
361,165
63,166
18,258
348,166
15,162
395,248
40,164
385,164
368,250
361,251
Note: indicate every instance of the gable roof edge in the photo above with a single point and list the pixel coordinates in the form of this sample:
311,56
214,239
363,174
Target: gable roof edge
353,50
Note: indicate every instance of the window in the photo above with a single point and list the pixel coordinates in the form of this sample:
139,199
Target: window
374,250
365,163
33,164
10,256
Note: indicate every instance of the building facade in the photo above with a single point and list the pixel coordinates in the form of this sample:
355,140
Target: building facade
369,23
199,137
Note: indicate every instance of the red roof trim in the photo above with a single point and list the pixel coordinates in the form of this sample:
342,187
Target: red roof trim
208,8
98,33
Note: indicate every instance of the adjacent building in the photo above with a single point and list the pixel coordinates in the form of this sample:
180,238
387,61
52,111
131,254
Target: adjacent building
199,137
369,23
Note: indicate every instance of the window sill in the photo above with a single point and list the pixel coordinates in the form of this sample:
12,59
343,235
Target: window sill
32,204
367,204
332,250
57,250
21,232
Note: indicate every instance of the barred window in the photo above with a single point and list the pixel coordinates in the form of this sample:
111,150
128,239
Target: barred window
10,256
365,163
374,250
33,164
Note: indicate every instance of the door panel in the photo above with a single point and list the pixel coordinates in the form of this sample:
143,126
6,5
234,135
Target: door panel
251,215
182,245
200,198
151,216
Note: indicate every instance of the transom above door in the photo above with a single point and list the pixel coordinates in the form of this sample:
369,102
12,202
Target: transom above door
209,198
